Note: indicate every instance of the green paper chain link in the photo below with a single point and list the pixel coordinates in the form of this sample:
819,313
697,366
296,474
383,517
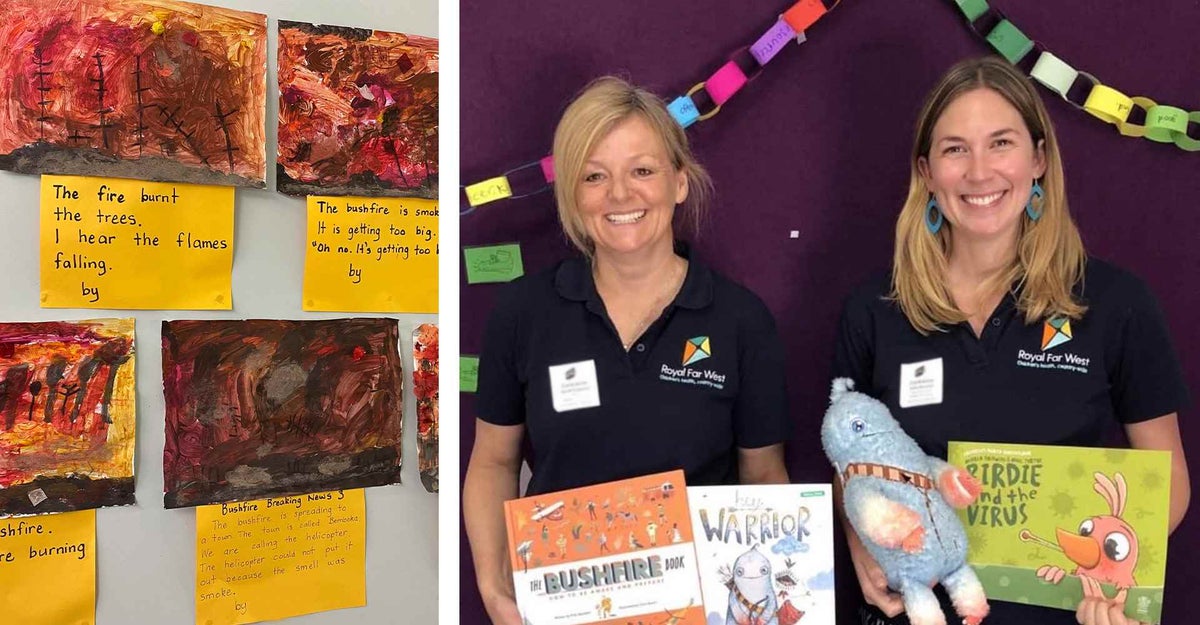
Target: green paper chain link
1163,123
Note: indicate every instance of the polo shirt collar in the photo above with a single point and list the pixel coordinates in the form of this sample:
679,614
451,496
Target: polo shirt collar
574,281
697,289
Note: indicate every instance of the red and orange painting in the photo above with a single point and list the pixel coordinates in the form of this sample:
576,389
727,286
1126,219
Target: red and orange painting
67,415
265,407
148,89
358,112
425,388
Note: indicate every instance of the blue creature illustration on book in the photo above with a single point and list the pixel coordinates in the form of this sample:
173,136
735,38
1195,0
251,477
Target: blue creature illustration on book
766,553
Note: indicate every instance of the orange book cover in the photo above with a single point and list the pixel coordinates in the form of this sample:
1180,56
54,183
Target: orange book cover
617,552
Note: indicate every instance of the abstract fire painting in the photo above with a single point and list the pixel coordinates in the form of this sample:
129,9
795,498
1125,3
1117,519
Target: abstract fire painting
358,112
264,408
425,388
67,415
148,89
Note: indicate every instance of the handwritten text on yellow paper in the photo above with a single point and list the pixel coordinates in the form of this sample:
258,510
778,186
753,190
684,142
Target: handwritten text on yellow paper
132,244
53,553
281,557
371,255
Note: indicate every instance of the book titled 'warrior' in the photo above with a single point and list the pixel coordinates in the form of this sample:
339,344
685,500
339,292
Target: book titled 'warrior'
765,553
612,553
1054,523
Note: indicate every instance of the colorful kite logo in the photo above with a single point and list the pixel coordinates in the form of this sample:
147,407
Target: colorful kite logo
695,350
1056,332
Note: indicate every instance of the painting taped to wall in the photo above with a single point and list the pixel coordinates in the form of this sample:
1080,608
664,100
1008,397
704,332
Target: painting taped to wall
358,112
264,407
425,388
153,90
67,415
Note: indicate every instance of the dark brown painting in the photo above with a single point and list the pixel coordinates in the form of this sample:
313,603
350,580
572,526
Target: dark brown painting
67,415
263,407
148,89
358,112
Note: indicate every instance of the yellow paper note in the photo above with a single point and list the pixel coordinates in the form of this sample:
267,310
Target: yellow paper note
281,557
489,190
48,569
371,255
132,244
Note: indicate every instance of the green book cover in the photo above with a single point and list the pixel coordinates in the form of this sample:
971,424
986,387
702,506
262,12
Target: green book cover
1048,516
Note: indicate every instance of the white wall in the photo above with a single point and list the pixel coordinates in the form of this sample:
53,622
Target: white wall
146,554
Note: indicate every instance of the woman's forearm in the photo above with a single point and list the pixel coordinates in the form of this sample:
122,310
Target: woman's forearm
486,488
1180,491
1162,434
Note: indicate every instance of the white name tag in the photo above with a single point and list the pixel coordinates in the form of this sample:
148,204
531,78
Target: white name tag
573,386
921,383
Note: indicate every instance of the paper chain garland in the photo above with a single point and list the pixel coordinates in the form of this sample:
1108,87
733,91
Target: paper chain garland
700,103
1136,116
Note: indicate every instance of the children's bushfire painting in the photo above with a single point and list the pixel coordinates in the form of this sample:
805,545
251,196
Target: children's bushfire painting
358,112
265,408
152,89
425,388
67,415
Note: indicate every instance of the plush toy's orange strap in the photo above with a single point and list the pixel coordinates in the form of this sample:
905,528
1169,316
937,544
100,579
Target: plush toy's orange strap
895,474
890,473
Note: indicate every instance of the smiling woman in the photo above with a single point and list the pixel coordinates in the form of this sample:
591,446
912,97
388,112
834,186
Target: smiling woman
987,161
624,167
621,156
983,180
989,275
629,190
632,359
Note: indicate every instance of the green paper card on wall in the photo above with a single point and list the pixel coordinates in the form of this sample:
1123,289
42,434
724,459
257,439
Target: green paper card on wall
468,373
493,263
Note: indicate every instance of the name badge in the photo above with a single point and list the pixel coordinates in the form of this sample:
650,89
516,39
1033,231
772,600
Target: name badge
573,386
921,383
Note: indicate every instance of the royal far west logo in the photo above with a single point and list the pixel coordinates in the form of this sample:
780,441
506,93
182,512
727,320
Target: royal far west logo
1056,332
696,349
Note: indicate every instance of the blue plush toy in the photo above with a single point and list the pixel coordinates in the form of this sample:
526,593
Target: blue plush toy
896,497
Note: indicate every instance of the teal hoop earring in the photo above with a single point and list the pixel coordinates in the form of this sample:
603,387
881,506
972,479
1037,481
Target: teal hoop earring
933,215
1037,201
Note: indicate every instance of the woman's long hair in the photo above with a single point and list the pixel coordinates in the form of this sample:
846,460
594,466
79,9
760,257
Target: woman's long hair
1050,256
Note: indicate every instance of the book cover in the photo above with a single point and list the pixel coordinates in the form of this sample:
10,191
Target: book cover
1051,519
765,553
618,552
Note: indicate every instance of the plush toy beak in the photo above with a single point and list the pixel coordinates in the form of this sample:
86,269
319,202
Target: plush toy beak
1082,550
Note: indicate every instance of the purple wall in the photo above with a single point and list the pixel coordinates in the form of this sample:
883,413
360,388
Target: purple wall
819,144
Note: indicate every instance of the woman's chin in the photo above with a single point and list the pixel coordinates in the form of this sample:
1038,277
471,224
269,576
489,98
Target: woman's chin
986,230
629,243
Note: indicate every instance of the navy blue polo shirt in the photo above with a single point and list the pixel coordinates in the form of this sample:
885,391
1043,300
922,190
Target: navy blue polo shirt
704,379
1049,383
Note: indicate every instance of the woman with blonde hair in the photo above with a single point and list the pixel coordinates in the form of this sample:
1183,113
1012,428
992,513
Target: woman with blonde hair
989,282
630,359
